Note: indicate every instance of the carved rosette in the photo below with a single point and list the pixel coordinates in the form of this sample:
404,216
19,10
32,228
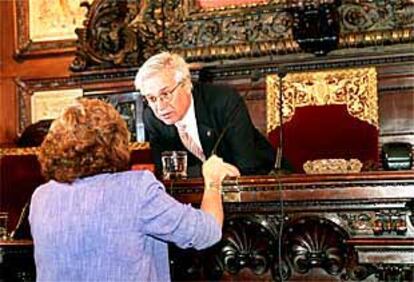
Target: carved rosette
313,242
248,243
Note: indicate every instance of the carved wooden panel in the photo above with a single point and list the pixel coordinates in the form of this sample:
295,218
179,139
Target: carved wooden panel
125,33
356,227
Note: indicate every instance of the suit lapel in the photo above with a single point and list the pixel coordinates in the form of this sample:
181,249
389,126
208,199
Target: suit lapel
172,138
206,132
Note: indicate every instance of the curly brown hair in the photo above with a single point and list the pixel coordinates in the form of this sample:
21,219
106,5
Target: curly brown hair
89,138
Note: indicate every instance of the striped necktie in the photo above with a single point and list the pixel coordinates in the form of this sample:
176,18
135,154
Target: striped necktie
190,144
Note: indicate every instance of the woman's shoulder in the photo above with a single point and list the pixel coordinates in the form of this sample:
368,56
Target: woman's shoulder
144,179
142,175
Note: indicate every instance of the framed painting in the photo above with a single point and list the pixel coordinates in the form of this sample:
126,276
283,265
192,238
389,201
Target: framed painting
43,99
46,26
49,104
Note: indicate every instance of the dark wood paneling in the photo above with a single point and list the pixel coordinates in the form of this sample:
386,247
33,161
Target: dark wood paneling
12,69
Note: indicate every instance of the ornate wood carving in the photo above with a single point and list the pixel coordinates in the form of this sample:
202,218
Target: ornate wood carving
107,39
248,242
315,242
311,238
330,229
124,33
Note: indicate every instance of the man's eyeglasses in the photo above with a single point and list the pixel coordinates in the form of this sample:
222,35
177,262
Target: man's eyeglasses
165,96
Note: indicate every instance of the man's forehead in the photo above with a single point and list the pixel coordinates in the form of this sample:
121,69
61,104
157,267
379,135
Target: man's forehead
156,84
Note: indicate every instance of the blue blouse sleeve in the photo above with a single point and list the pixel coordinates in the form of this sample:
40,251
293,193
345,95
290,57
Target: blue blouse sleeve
163,217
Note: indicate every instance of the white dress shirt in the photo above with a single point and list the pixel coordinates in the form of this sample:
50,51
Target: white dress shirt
189,122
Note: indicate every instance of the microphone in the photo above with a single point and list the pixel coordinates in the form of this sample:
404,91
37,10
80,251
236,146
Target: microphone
255,77
281,72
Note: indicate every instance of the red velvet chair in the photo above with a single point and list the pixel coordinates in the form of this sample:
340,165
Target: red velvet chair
20,175
329,114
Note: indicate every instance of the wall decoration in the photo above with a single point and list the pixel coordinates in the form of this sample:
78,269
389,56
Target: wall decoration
126,33
47,26
40,99
49,104
44,98
206,4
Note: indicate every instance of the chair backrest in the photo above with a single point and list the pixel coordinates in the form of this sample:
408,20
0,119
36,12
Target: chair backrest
326,114
19,176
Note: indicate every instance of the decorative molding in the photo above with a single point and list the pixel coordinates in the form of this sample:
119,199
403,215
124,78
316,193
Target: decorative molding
355,88
271,65
133,146
273,186
250,250
332,238
381,222
125,33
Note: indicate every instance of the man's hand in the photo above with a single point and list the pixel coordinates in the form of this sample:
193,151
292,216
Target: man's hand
215,170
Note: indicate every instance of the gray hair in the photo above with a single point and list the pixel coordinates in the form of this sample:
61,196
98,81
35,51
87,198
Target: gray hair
162,62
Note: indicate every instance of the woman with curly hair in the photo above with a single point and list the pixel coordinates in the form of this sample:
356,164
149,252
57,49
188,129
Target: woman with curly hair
96,220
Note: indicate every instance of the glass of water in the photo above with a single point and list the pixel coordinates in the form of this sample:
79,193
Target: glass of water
174,164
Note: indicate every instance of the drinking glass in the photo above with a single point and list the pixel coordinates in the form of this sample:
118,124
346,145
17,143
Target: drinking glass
174,164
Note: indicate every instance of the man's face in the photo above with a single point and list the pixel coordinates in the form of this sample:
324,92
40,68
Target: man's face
169,99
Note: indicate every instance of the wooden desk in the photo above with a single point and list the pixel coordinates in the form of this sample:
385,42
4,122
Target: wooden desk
16,260
357,227
330,227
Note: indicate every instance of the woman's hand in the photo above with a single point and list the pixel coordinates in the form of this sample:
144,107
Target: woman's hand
215,170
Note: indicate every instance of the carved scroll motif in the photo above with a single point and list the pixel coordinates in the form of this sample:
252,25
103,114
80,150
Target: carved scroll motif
118,33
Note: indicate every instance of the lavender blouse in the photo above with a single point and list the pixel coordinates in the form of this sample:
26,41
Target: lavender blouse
112,227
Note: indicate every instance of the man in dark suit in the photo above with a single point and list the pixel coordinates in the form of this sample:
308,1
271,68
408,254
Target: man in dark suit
214,117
